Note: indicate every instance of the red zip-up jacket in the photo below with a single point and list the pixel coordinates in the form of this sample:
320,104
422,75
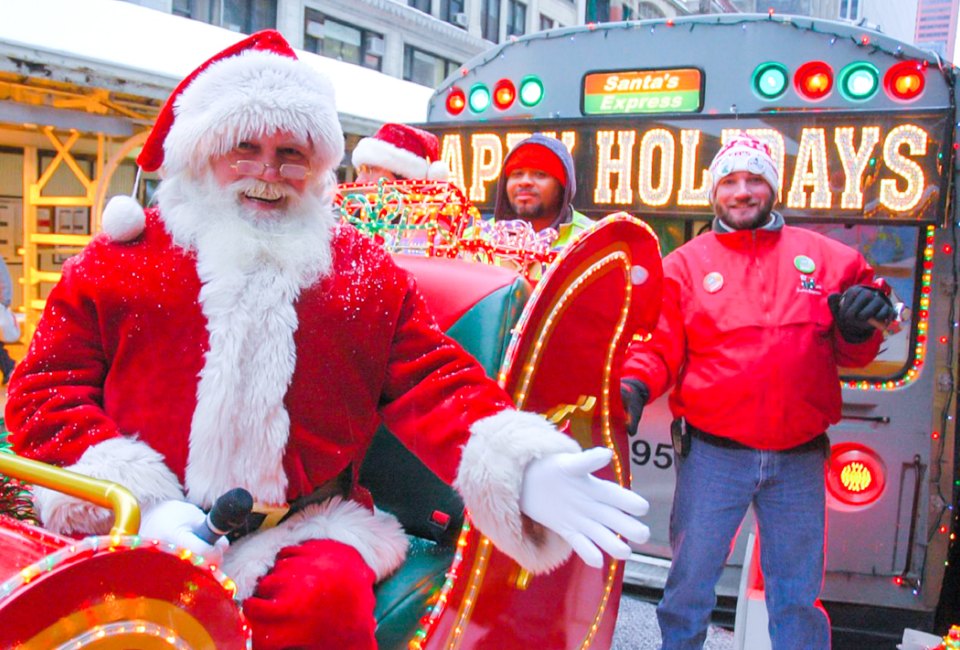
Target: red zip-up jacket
746,338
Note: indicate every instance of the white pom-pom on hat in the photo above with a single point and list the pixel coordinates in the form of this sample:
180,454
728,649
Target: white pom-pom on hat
123,218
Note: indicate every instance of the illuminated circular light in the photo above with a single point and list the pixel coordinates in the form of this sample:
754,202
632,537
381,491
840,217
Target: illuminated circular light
905,81
504,93
770,80
856,475
479,98
859,81
456,101
814,80
531,91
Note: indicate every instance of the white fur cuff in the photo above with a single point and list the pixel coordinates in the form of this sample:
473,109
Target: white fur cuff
127,461
377,535
491,476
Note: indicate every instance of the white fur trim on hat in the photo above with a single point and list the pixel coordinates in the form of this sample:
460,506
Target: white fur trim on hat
438,171
491,476
377,536
248,95
127,461
123,218
744,153
372,151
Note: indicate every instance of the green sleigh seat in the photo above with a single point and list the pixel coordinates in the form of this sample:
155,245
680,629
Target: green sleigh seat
478,306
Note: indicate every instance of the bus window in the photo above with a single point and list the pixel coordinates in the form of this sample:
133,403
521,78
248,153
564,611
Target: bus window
892,252
670,232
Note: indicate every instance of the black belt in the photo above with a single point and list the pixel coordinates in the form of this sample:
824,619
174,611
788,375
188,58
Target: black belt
820,442
338,486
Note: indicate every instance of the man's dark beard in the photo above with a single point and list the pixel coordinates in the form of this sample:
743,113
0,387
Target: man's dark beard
541,211
530,212
763,216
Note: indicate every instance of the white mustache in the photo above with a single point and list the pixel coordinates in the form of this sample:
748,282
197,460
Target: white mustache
257,189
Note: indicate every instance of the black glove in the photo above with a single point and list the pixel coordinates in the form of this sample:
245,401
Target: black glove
635,395
854,310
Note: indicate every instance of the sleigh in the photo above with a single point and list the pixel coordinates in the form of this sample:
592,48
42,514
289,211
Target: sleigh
555,347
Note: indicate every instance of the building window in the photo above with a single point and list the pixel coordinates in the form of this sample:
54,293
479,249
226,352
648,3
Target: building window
619,10
182,8
422,5
424,68
598,11
850,9
452,12
546,22
342,41
248,16
516,18
649,10
490,20
202,10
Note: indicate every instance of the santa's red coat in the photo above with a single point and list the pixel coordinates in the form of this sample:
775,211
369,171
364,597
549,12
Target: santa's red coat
132,345
123,340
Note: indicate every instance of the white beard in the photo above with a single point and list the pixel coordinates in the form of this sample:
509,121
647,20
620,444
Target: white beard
201,215
252,271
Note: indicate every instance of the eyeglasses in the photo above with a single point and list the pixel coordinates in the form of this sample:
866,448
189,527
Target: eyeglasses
255,168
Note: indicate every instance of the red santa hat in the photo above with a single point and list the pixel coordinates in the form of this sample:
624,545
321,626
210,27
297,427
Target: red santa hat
744,153
404,150
533,155
256,86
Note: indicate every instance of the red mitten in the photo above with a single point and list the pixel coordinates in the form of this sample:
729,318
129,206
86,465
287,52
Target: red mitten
318,595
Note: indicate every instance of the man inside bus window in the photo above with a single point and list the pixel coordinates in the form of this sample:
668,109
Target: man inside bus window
398,152
237,336
537,184
756,318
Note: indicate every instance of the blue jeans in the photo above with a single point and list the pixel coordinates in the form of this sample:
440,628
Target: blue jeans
715,486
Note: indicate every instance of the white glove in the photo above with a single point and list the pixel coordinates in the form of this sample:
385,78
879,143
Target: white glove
174,522
559,492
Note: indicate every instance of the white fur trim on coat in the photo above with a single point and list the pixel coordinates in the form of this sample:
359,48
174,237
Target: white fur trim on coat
377,535
240,426
371,151
491,476
248,95
127,461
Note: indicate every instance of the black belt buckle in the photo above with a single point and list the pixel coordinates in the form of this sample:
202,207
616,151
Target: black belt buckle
680,436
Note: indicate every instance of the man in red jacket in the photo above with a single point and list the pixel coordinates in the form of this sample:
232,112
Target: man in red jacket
237,336
757,316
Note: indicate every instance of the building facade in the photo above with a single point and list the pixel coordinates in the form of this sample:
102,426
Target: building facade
422,41
936,26
898,19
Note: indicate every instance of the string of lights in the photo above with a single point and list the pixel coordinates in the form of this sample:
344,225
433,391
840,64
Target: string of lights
872,41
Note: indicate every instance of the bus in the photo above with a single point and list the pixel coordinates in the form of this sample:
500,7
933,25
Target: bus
864,129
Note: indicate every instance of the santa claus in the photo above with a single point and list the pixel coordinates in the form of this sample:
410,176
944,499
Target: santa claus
236,335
